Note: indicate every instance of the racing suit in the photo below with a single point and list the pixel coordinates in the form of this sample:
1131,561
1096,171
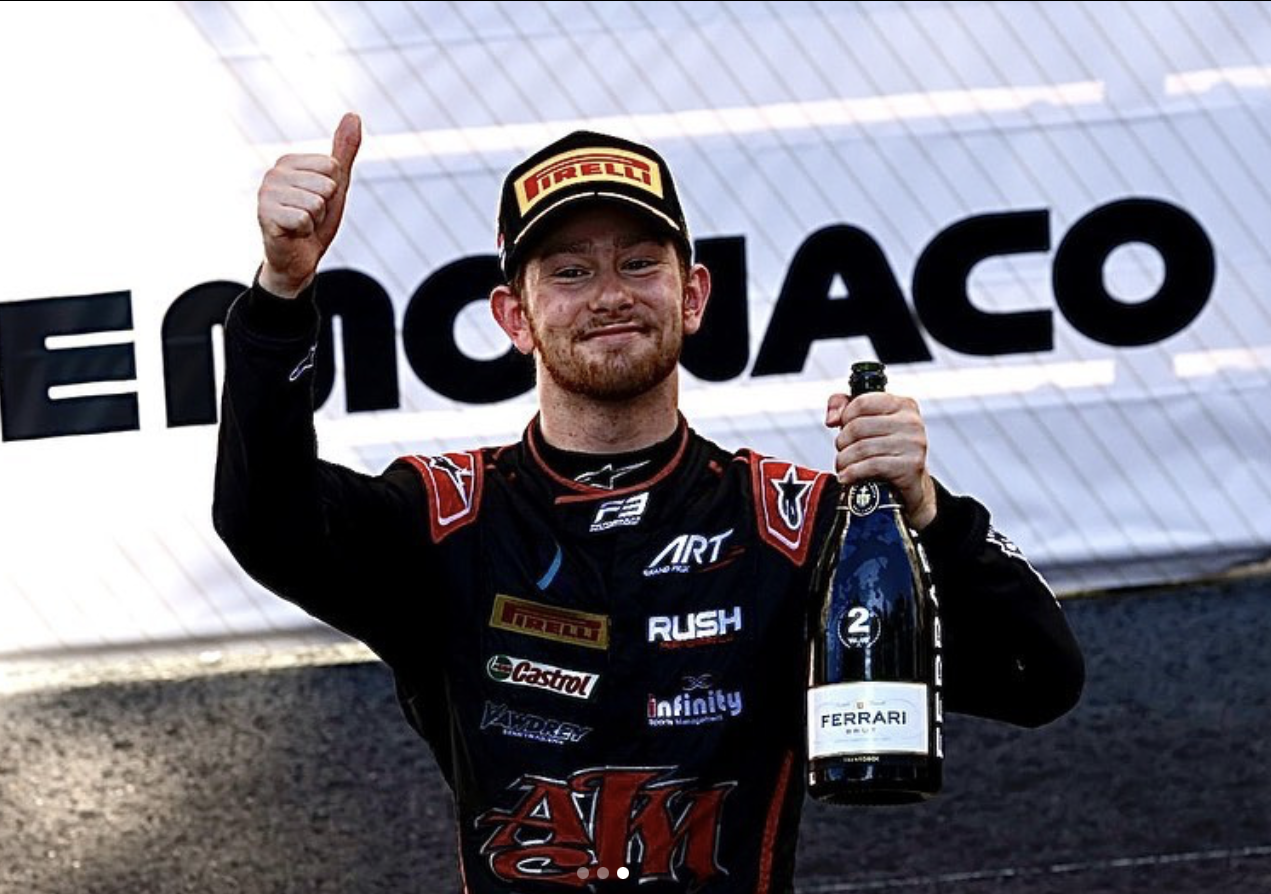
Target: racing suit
608,667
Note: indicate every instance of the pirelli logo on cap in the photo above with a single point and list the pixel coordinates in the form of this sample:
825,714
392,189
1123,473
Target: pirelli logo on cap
563,625
583,166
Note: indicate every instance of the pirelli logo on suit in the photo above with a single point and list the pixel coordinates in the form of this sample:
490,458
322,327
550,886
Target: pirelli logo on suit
562,625
587,165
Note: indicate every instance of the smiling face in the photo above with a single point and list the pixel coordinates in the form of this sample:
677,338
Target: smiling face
606,304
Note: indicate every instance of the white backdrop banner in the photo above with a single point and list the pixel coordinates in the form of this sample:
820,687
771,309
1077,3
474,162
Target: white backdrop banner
1048,219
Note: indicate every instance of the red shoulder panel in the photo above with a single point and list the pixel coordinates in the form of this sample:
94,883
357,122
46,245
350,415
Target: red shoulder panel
786,496
453,484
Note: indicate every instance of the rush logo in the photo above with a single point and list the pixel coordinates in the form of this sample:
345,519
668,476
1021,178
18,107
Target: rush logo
587,165
663,828
695,628
563,625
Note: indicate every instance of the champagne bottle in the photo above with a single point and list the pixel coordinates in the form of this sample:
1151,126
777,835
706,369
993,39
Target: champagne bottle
874,713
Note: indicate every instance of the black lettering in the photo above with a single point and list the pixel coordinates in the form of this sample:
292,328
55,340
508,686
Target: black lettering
1078,272
28,369
721,348
369,341
805,312
428,336
189,374
940,285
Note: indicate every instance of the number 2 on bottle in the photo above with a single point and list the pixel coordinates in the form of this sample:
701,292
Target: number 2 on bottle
859,616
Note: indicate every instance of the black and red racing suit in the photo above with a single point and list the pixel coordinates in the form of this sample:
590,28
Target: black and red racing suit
608,667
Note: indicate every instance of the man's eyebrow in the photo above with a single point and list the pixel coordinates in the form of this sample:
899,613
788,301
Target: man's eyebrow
584,246
578,247
637,238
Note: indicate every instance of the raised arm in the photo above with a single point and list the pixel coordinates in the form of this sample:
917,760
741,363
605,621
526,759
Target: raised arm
340,544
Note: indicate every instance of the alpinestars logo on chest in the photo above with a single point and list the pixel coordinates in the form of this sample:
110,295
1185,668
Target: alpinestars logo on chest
606,478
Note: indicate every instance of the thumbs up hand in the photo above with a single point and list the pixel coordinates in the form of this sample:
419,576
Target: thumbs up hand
299,206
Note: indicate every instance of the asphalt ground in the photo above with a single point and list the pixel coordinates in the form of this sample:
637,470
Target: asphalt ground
306,779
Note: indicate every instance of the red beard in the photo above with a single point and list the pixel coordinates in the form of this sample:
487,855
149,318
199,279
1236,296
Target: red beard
587,367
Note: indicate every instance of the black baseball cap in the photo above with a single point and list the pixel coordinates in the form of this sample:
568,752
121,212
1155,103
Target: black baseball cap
579,168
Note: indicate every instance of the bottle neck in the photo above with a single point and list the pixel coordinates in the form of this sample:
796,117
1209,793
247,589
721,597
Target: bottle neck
857,497
869,383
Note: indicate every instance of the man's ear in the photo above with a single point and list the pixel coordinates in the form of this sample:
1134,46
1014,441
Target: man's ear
697,291
508,307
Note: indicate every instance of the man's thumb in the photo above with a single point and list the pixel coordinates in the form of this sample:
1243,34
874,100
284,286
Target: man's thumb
348,138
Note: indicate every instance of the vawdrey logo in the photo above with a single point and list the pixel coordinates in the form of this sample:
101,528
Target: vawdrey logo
688,552
698,702
523,672
524,725
620,513
695,628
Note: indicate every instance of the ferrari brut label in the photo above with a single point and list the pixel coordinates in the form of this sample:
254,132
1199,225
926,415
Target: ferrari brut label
867,718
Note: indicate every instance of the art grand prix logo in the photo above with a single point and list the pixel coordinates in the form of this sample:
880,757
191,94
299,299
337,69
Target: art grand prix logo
659,826
687,553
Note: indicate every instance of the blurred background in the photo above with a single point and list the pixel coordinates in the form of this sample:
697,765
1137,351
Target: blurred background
1048,219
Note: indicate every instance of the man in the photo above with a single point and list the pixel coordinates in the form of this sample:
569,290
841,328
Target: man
599,630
